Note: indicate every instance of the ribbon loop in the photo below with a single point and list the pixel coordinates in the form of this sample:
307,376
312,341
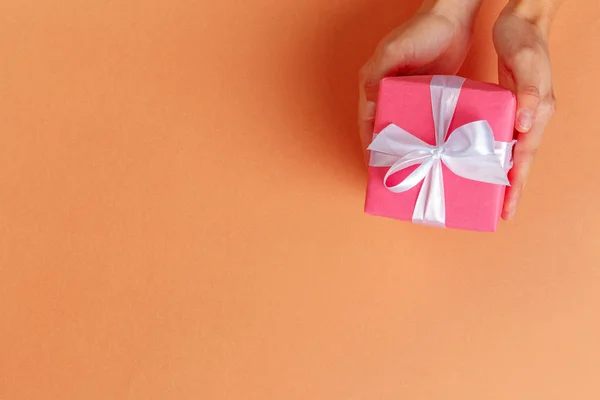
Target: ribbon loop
424,161
470,152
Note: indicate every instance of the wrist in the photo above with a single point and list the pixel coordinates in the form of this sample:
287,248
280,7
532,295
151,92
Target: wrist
538,12
461,13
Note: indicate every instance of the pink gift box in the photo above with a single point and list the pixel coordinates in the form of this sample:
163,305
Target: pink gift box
407,103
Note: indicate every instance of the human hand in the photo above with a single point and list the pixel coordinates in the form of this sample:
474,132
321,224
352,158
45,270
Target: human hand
520,37
435,41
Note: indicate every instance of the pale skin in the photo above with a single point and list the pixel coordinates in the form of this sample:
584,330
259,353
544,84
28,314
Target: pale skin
436,41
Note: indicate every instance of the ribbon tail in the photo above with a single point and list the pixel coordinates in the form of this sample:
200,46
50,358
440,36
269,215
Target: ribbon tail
430,208
503,151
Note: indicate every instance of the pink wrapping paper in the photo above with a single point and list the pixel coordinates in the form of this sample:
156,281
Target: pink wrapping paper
406,102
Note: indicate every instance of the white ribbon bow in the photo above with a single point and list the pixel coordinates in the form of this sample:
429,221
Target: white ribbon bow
470,152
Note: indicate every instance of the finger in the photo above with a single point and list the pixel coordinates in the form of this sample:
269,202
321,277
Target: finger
529,70
523,161
528,101
531,77
366,112
524,154
387,59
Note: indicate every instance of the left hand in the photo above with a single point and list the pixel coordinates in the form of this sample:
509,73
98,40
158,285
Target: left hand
524,67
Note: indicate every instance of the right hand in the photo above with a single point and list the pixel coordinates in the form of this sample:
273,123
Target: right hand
433,42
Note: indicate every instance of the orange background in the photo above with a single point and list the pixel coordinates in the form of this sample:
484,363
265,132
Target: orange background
181,196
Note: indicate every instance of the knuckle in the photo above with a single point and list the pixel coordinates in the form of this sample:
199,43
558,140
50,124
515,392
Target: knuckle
391,48
368,80
526,55
552,105
395,52
370,84
548,107
529,51
530,91
527,149
521,56
365,71
525,154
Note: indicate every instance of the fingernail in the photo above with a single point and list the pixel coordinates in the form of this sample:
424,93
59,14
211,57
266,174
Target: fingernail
370,110
524,120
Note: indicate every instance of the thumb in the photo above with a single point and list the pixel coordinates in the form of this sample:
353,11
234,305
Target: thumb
527,69
528,101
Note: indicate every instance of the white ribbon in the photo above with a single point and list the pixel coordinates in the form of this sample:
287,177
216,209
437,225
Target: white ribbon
470,152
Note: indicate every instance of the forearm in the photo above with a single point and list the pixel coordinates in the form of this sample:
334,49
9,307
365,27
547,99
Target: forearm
538,12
